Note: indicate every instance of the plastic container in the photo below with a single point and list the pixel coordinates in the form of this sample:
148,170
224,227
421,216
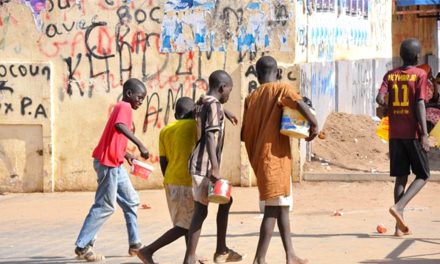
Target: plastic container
141,169
383,130
294,124
220,192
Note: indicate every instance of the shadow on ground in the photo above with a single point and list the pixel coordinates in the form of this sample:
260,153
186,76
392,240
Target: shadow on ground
60,260
402,261
277,234
395,255
40,260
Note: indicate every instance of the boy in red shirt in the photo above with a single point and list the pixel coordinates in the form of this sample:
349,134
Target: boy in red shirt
406,88
114,185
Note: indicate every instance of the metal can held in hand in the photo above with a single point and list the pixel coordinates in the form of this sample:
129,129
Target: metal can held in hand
219,192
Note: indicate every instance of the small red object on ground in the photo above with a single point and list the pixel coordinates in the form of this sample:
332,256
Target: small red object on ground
145,206
381,229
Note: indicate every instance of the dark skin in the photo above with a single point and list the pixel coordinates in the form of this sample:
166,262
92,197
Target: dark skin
135,97
200,210
402,197
229,115
146,253
280,214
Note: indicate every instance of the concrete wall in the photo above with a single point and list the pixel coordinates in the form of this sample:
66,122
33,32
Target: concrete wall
338,44
87,49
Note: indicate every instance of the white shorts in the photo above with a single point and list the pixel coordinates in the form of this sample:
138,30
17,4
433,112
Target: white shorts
180,204
200,189
279,201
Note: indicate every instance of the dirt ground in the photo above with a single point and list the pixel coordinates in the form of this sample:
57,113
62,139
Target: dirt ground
350,145
42,228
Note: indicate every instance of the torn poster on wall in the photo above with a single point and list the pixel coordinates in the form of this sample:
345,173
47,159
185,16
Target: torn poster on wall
258,25
254,34
182,5
36,6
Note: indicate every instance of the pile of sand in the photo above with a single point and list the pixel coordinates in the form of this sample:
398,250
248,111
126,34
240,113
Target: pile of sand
350,145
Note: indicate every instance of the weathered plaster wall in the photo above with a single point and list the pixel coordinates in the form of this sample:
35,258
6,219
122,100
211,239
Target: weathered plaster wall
91,47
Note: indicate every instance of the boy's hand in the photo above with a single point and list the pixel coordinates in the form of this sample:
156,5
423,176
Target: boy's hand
215,175
144,152
129,157
425,143
231,117
313,132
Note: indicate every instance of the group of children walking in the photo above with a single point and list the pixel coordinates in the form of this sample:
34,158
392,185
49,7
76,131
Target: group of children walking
191,150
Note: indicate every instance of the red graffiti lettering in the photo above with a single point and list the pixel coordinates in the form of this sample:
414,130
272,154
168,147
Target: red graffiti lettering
105,41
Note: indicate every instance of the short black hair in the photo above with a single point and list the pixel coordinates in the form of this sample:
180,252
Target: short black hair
409,49
184,108
266,65
133,85
217,78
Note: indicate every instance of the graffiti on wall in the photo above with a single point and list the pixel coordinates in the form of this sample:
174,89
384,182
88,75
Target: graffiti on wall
16,102
100,50
288,74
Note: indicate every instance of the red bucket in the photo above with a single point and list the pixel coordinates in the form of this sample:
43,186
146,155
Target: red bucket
220,192
141,169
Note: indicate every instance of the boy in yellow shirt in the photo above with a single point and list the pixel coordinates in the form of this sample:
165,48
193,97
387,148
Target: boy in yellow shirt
176,142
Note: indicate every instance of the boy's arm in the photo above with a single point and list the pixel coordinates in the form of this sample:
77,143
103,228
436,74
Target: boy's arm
380,99
243,123
231,117
211,147
420,96
383,90
163,164
124,130
421,117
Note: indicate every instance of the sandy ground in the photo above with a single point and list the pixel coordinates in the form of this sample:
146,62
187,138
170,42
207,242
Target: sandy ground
42,228
350,145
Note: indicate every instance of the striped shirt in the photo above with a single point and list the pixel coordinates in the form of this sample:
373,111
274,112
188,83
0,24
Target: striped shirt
210,117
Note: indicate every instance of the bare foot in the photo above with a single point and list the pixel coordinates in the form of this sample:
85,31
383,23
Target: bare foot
191,260
259,261
399,219
145,256
297,260
202,260
399,233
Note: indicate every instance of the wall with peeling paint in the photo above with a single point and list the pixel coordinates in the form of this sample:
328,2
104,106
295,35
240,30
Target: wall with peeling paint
85,50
